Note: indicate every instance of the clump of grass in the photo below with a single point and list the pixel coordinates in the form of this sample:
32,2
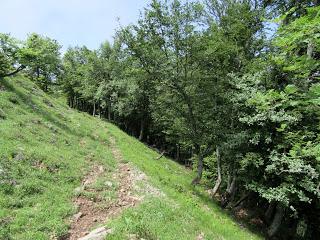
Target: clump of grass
14,99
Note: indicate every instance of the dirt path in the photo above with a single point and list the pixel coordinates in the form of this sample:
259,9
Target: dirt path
93,211
127,178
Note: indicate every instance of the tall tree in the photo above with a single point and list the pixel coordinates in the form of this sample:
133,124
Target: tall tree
45,64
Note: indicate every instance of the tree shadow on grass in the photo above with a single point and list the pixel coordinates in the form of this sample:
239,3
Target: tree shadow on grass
215,204
33,106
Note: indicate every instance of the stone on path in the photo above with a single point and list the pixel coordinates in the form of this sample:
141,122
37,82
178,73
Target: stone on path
97,234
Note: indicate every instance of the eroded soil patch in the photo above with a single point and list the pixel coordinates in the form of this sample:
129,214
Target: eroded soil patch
94,210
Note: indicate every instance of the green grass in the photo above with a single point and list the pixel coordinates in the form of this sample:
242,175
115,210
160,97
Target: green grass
184,213
45,150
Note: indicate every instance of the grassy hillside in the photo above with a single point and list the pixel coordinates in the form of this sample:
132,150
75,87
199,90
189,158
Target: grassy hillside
46,149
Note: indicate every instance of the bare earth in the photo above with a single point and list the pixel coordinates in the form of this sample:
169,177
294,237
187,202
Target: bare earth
94,212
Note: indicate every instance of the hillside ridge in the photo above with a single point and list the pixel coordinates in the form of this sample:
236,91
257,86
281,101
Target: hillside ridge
48,149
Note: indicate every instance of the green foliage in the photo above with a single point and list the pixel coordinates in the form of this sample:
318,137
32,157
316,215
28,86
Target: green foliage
43,59
189,210
45,152
189,78
39,55
299,43
9,53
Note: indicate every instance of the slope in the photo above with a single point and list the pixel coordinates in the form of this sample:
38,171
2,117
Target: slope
48,149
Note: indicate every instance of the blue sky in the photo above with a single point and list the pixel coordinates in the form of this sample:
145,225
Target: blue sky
71,22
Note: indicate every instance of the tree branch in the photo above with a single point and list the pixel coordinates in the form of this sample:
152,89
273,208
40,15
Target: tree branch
20,68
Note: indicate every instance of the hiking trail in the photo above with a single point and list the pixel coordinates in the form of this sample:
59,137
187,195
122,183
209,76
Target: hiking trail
94,212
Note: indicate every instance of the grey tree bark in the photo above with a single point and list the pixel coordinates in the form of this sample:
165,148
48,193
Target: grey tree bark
270,211
94,109
109,111
231,190
201,155
310,49
276,222
219,178
199,170
142,125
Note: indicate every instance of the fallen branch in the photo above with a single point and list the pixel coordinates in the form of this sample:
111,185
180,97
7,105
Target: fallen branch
240,200
161,155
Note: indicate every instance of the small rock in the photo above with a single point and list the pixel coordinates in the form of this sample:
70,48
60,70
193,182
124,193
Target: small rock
2,88
97,234
78,190
77,216
108,184
200,236
132,237
86,182
19,156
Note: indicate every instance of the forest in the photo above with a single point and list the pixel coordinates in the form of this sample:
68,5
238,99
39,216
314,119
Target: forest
227,88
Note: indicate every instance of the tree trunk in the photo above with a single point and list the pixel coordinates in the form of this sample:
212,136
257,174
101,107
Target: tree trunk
270,211
178,152
199,171
69,102
310,49
114,117
277,220
99,109
197,179
232,186
94,109
109,111
219,179
142,125
229,181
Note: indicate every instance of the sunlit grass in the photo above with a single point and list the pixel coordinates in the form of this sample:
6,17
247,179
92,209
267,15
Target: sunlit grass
46,149
184,213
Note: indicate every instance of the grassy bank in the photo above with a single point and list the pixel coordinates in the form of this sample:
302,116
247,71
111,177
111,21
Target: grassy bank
184,213
45,150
